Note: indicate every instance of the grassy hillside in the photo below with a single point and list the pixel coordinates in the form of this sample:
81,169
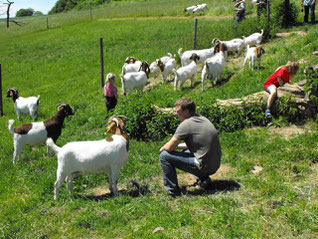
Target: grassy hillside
62,65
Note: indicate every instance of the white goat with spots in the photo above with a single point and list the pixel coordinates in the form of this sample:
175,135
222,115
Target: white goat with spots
92,157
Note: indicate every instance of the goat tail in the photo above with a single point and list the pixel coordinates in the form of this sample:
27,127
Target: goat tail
180,52
10,126
50,143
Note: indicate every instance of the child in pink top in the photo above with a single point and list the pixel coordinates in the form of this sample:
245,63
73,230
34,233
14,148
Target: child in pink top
279,78
110,92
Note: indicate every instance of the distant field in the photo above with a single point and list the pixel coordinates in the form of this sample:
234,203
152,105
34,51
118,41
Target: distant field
62,65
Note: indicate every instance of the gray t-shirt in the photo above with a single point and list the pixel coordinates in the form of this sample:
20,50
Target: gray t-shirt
202,140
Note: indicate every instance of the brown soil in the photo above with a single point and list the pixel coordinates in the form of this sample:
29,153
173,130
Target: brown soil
285,34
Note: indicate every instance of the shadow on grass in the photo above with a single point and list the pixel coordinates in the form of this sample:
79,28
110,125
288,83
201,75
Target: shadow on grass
135,190
215,187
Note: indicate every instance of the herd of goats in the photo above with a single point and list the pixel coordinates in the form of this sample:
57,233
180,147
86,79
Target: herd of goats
110,154
135,73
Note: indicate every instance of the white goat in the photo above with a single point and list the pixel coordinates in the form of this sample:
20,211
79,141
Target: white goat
235,45
133,80
202,54
254,39
200,8
38,132
92,157
214,67
166,68
131,67
253,54
154,67
29,105
190,9
186,72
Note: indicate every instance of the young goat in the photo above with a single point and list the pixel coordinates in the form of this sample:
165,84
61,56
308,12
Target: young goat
29,105
235,45
133,80
186,72
253,54
92,157
131,65
166,68
190,9
214,67
38,132
202,54
254,39
200,8
154,67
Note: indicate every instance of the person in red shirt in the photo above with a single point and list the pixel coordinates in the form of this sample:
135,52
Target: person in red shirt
110,92
281,76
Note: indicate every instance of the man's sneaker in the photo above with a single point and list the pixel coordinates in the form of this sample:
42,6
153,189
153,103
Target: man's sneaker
204,183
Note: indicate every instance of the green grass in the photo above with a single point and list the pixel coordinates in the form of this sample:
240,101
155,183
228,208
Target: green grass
62,65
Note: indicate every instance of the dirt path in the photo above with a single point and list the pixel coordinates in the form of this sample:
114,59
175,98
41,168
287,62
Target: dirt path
165,18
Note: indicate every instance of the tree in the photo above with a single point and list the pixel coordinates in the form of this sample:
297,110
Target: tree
38,13
24,12
8,11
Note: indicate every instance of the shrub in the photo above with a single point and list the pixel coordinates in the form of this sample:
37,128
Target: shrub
24,12
285,14
146,123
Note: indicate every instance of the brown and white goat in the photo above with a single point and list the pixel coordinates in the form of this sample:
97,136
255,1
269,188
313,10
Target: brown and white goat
133,80
253,54
92,157
29,105
37,132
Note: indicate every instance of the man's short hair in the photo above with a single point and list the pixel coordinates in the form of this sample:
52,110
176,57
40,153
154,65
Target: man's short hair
186,104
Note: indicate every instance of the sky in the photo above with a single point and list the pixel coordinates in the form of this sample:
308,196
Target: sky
38,5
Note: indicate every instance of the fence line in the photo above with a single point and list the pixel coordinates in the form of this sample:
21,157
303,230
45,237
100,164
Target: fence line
1,104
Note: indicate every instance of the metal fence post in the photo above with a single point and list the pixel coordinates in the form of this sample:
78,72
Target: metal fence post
195,34
101,62
47,22
1,105
91,14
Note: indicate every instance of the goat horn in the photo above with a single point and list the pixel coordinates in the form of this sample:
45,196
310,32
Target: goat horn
116,121
122,116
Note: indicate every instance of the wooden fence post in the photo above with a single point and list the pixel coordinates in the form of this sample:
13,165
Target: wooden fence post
101,62
195,34
1,105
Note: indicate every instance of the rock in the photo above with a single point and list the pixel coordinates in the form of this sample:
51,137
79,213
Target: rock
257,169
157,229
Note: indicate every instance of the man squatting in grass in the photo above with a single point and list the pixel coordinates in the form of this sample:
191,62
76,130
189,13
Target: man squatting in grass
201,152
281,76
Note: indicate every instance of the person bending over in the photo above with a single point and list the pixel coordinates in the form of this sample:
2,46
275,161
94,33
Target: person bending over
201,150
279,78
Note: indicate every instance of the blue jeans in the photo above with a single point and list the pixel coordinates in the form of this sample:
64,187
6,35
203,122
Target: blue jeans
312,14
185,161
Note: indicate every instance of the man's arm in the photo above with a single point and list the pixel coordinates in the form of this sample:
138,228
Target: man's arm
170,145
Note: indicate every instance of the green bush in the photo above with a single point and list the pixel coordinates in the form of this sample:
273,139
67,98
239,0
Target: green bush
24,12
285,15
145,123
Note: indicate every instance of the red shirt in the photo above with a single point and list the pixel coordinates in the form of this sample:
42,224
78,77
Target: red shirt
282,72
109,90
